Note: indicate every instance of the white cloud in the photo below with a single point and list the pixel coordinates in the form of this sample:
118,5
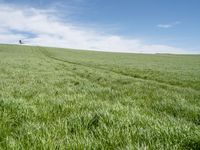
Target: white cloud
164,25
170,25
48,30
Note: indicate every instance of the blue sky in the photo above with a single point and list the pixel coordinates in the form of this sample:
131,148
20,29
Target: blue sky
148,26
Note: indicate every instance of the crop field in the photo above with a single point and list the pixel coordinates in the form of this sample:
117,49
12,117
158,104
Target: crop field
53,98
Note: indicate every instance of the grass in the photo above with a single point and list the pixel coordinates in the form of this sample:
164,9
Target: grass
54,98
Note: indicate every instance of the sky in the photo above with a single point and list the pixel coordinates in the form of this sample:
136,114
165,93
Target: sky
137,26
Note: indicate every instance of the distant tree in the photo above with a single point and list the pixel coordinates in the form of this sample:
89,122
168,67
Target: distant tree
20,42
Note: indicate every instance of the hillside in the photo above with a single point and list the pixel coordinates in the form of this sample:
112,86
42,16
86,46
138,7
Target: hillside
53,98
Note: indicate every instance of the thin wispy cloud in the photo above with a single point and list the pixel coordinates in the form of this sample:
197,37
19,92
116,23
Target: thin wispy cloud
43,27
170,25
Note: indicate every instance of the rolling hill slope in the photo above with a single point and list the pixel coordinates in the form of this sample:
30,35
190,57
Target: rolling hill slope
54,98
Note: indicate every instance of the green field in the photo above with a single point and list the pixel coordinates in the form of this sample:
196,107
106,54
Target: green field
54,98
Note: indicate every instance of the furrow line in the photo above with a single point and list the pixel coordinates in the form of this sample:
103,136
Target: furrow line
119,73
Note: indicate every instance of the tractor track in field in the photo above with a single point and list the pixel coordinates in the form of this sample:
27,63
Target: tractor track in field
77,74
45,53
